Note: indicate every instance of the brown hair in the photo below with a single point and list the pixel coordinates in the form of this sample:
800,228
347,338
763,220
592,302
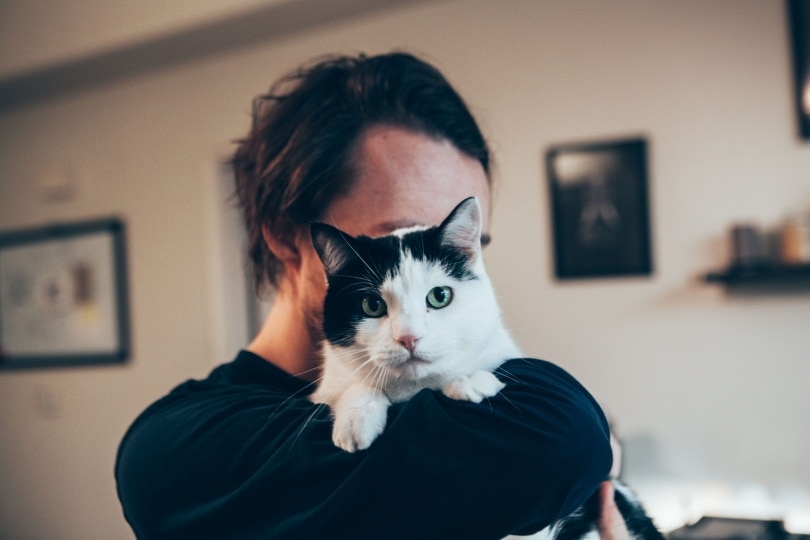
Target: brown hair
297,155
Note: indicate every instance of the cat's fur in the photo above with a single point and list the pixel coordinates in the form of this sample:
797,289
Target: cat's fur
408,339
367,361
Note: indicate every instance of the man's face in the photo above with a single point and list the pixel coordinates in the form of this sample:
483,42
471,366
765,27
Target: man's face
403,179
406,179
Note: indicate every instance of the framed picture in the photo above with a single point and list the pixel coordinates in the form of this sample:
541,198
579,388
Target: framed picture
599,209
63,295
799,14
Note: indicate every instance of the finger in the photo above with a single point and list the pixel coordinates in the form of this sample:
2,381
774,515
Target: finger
611,524
607,506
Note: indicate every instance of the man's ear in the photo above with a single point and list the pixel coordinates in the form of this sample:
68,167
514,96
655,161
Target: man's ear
284,246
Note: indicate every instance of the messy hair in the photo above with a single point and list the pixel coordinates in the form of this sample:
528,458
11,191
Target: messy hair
297,156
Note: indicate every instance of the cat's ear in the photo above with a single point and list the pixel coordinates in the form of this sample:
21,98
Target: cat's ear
462,228
332,246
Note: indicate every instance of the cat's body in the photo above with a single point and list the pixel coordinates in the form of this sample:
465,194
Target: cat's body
416,310
374,359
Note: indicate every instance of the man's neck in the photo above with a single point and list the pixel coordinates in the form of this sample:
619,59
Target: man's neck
286,341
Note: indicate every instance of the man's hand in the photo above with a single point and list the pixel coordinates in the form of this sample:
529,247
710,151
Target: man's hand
611,524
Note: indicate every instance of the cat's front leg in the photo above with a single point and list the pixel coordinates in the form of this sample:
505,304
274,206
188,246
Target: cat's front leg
474,387
360,416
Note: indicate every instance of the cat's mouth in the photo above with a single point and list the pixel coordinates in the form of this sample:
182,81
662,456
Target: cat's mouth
413,365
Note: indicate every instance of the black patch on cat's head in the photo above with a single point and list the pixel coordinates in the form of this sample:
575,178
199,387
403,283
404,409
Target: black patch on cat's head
426,245
357,266
455,244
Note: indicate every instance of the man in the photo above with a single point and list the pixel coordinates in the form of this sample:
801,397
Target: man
369,145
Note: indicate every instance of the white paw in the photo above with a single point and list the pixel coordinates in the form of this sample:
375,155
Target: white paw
475,387
357,427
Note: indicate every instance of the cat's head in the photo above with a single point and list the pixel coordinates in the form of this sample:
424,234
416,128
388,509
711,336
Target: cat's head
412,302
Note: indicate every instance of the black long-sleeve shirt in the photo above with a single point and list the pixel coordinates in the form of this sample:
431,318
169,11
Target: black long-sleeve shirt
244,454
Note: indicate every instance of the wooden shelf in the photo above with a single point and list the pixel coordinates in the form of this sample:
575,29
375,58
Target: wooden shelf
762,275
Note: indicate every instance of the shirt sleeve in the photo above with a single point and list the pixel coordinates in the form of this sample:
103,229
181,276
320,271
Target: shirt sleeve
246,465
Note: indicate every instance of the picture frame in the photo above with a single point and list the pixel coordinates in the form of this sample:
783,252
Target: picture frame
63,295
600,209
799,23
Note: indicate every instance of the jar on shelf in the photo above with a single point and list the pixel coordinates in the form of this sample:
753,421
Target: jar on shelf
795,240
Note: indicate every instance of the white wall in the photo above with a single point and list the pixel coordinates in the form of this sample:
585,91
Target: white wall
34,35
708,389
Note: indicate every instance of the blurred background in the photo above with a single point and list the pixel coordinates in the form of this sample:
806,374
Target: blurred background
129,109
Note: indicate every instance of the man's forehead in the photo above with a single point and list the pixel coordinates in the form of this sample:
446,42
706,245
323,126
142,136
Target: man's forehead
406,179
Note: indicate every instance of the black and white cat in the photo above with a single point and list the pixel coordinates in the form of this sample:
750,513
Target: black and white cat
392,311
392,346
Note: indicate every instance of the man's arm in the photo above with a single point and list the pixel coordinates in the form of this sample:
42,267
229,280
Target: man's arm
254,466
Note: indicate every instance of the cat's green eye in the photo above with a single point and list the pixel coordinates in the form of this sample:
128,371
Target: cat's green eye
439,297
373,306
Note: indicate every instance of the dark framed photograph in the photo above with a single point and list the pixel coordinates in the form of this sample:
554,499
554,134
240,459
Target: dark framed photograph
63,295
600,209
799,15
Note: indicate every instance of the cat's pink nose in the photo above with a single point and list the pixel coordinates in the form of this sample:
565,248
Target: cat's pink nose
408,341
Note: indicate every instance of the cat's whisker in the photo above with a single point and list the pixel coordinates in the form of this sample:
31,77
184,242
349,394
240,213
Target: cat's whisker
344,236
317,409
357,288
372,375
353,356
381,380
370,269
507,374
360,284
301,373
360,367
306,387
357,278
294,394
509,401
